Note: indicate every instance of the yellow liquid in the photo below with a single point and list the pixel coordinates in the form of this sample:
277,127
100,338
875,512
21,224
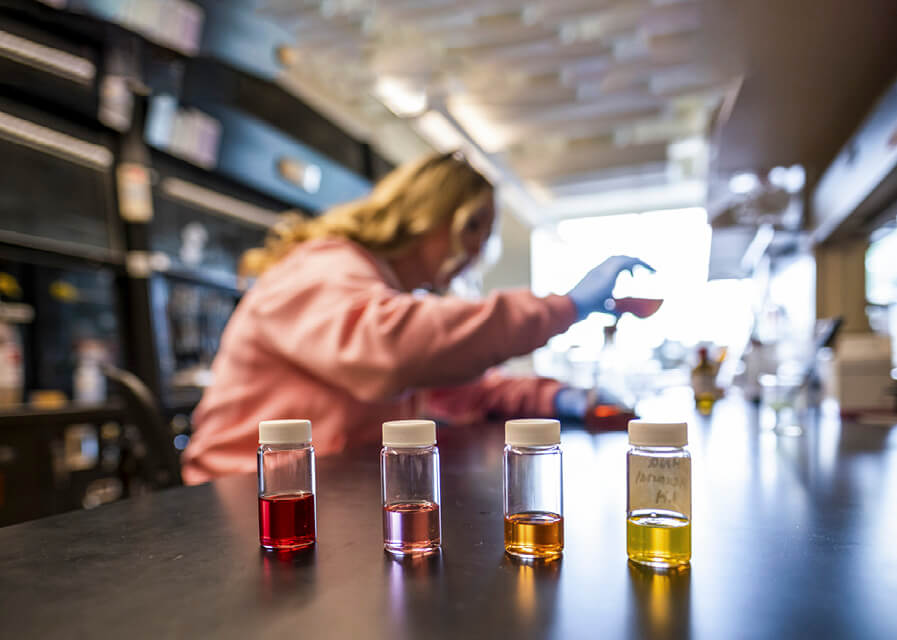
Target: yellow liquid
534,534
705,402
658,541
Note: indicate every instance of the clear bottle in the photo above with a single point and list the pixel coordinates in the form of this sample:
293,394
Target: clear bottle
409,471
658,519
286,468
533,489
703,381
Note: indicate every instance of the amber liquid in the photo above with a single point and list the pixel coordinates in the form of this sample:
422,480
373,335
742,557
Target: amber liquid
411,527
658,541
534,534
287,520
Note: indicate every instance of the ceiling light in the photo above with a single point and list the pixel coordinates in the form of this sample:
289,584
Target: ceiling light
438,131
400,98
744,182
778,176
490,136
484,165
791,179
795,178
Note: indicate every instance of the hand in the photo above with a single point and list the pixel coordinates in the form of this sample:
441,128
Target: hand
597,287
571,403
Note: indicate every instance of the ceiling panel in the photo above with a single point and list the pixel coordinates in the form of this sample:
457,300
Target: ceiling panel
565,98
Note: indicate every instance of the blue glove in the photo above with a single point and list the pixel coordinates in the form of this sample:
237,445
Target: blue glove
571,403
597,287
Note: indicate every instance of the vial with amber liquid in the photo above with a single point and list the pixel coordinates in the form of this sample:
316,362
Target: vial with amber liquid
409,471
658,519
533,489
286,468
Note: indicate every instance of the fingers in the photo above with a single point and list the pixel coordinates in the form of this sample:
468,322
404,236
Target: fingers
626,263
641,263
632,263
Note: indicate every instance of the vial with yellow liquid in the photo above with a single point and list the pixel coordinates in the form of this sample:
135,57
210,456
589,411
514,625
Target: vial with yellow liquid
533,489
658,519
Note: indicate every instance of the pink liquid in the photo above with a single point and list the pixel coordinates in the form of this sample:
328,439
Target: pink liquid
639,307
411,527
287,520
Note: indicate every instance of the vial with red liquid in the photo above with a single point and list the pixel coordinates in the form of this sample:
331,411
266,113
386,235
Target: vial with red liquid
286,465
409,471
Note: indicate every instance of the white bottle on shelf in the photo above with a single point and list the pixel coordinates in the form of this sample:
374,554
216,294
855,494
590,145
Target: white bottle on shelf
89,384
12,366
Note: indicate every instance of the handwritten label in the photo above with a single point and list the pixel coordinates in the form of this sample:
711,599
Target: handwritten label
660,483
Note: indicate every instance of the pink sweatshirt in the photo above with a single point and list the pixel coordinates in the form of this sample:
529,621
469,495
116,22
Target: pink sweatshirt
327,334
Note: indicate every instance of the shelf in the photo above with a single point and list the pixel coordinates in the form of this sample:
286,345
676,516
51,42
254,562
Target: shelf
208,278
29,418
181,400
61,248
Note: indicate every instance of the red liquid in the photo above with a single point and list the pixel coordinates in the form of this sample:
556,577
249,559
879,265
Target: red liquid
287,520
639,307
608,417
411,527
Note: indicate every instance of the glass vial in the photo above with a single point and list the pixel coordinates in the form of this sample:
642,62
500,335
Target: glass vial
286,465
409,472
533,489
658,519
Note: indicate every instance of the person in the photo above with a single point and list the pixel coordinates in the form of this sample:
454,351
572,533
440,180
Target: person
336,328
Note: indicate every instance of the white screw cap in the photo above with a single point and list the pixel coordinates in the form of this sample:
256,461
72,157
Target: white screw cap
658,434
409,433
284,431
532,432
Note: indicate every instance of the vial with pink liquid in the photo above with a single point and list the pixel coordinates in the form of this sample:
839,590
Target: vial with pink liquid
409,471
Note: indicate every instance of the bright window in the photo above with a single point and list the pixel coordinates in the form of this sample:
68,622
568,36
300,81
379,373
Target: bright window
677,244
881,268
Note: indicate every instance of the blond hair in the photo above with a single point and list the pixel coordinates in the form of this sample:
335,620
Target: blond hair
405,205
